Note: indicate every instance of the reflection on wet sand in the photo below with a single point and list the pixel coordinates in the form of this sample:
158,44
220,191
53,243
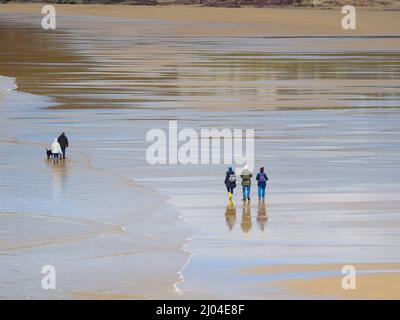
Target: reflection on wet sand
262,215
195,74
144,75
230,216
59,177
246,219
262,218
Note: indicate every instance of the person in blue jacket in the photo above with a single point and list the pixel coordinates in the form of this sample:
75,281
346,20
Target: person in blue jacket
262,179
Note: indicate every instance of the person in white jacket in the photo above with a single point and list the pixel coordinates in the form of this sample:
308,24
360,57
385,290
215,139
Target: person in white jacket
56,151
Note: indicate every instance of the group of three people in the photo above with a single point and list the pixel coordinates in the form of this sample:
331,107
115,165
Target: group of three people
58,147
246,175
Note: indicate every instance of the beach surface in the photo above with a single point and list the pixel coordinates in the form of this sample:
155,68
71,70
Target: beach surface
324,104
206,21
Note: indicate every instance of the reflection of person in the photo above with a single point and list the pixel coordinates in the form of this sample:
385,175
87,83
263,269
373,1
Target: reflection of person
262,179
246,183
246,219
60,175
63,141
230,216
55,150
262,215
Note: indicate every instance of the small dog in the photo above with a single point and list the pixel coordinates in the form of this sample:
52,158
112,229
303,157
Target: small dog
49,154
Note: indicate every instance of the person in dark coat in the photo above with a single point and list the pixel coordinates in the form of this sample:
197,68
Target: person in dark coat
230,180
63,141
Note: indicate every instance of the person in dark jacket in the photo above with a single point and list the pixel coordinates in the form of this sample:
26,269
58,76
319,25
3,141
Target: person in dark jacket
262,179
63,141
230,182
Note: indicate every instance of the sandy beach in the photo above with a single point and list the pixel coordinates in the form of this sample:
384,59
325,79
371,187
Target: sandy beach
203,21
374,281
324,103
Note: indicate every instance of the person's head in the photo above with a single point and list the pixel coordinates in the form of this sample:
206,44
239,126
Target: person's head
230,169
63,133
246,167
55,140
262,169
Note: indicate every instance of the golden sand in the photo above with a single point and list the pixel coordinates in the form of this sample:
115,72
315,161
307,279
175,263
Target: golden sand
248,22
369,286
238,21
383,281
275,269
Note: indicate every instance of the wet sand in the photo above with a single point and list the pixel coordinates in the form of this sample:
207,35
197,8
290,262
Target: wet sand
94,226
24,231
381,286
325,111
203,21
373,280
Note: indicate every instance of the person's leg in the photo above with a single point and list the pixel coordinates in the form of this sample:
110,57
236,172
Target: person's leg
63,152
263,192
259,192
244,192
248,193
230,195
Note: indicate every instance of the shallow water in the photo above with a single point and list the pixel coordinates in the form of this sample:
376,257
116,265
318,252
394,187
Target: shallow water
326,114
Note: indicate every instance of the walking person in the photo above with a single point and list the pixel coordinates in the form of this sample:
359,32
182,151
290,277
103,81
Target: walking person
262,179
63,141
230,182
56,151
246,183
